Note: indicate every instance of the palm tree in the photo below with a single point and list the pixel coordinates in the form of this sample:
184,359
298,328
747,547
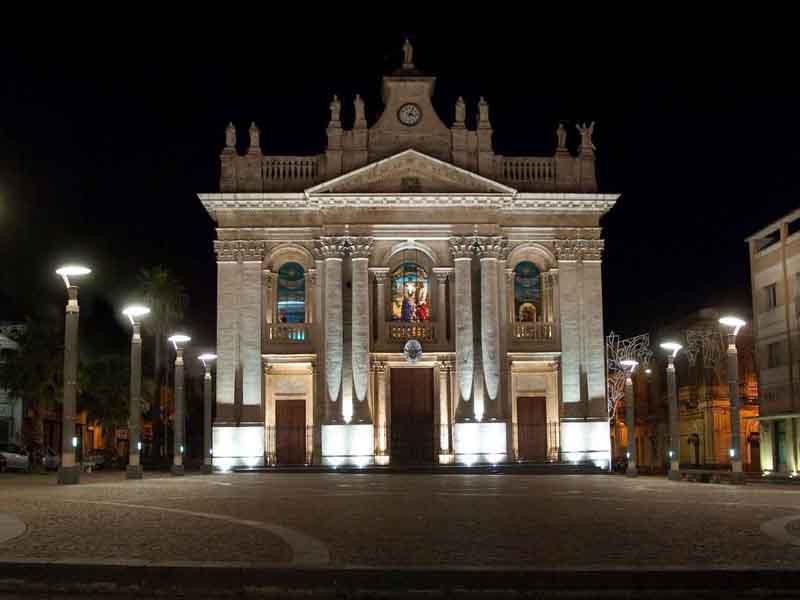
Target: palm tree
167,300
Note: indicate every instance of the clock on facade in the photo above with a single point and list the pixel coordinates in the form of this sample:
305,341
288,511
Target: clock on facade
409,114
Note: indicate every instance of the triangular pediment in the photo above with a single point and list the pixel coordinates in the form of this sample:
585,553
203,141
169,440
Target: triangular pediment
410,172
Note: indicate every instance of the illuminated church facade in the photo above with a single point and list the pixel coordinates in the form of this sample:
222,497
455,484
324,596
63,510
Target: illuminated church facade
409,295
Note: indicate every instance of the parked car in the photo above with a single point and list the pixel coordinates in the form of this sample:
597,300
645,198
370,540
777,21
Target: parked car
51,460
101,458
17,458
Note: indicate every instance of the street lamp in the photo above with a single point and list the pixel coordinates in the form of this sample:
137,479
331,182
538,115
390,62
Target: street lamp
68,471
135,313
629,366
208,464
733,325
672,394
178,340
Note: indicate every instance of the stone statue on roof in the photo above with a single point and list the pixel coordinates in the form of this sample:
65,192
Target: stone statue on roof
483,110
408,55
230,135
336,108
359,105
586,132
255,136
561,135
461,110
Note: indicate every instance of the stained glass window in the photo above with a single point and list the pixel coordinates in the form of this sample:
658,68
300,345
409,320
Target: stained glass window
291,293
527,292
409,294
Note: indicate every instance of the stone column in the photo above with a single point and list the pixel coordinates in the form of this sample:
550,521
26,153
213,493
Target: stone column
490,250
380,274
134,469
178,442
360,252
381,429
555,304
445,368
317,333
310,285
250,333
331,249
441,275
268,278
461,249
630,421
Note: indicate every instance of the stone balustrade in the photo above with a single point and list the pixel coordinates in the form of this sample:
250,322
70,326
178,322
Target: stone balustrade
533,332
287,333
278,171
527,171
423,331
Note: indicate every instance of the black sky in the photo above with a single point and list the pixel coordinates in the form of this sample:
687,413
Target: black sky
105,140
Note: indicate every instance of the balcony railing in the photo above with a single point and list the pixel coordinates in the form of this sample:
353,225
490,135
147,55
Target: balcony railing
533,332
287,333
281,170
424,332
529,171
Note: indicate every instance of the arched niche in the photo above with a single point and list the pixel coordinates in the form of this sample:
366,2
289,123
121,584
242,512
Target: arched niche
539,255
276,260
397,254
410,285
289,253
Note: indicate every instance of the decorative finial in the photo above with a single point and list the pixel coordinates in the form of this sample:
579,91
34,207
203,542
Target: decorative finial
461,110
230,136
255,135
408,54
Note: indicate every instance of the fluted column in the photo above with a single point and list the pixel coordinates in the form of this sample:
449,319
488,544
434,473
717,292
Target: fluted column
445,368
310,295
331,249
379,370
491,249
440,317
380,274
360,251
462,251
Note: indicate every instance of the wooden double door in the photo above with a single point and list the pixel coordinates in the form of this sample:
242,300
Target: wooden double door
290,432
412,428
532,428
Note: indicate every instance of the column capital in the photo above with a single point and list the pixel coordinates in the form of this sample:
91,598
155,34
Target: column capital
446,366
492,247
442,273
331,247
377,366
360,247
379,273
462,247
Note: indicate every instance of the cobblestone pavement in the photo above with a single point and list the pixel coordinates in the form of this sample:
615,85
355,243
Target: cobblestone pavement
547,521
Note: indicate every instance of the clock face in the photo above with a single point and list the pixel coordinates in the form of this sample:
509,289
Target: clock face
409,114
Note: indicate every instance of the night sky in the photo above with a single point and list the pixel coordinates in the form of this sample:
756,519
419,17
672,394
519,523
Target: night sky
105,141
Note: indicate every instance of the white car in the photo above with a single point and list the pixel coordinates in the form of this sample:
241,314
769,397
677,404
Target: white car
51,460
17,458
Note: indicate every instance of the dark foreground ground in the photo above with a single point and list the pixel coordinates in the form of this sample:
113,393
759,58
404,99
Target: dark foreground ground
263,534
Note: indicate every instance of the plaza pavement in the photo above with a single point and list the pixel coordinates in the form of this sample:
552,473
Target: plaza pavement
400,521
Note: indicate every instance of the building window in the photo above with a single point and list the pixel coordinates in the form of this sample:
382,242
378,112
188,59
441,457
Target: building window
409,295
527,292
773,355
291,306
772,296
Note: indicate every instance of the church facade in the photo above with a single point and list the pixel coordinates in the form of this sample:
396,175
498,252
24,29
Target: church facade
409,295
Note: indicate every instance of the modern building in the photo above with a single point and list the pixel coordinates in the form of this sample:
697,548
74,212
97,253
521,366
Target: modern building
775,280
409,295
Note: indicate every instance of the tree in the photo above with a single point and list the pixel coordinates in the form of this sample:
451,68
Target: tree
104,391
35,371
167,300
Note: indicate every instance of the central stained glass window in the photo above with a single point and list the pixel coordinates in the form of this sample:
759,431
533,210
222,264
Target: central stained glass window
409,296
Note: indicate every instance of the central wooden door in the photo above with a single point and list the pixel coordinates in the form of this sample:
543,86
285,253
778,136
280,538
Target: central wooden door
412,416
532,428
290,432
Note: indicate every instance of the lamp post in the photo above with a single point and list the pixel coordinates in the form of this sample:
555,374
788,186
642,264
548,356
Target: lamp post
68,471
733,325
674,451
208,452
630,416
134,470
178,340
